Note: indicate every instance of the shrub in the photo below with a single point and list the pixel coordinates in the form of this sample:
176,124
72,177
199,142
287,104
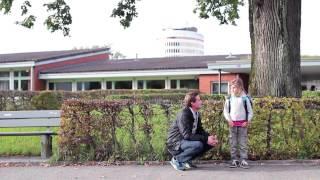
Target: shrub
282,128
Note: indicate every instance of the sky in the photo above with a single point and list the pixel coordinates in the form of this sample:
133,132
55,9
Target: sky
93,26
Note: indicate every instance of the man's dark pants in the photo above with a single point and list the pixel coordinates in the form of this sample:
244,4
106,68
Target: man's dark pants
191,150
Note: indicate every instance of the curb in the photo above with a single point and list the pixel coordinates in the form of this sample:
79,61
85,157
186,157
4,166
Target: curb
37,161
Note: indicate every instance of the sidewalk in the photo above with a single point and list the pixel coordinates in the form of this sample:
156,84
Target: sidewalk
288,169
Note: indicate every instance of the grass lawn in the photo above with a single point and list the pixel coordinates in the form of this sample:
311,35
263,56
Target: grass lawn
23,145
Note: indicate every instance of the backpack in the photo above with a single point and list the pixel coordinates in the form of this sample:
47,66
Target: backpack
244,104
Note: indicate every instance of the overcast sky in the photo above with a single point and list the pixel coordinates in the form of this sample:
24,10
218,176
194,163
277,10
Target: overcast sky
92,26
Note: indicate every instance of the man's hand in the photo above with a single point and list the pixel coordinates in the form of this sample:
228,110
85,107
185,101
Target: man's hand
212,140
230,123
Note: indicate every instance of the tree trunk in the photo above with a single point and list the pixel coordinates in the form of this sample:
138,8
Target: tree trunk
252,82
276,48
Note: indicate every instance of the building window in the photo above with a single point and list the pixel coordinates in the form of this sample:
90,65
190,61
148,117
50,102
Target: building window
88,85
25,73
4,85
156,84
4,74
92,85
189,84
140,84
64,86
51,86
109,84
215,88
123,85
21,80
313,88
25,84
16,84
173,84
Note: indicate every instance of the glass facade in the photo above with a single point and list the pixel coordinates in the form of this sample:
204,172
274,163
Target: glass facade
155,84
215,88
20,80
123,85
189,84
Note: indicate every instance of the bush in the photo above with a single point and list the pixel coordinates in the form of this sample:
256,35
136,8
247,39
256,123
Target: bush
282,128
46,100
311,94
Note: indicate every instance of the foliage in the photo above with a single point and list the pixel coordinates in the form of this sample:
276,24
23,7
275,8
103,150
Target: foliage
282,128
46,101
311,94
21,100
126,11
60,19
226,11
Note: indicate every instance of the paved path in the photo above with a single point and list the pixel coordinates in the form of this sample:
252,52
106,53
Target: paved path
267,171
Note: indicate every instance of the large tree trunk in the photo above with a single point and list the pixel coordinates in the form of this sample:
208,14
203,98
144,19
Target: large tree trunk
252,84
276,47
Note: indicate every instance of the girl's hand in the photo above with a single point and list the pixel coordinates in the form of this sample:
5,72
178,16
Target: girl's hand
245,124
230,123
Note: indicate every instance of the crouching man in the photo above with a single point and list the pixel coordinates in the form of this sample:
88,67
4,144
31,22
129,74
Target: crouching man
186,137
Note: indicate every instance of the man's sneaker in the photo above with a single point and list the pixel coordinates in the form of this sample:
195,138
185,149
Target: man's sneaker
244,164
177,165
189,165
234,164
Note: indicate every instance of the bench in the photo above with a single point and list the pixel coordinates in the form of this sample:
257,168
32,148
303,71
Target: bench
36,118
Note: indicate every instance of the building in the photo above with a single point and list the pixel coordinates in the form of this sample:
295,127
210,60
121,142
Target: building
79,70
182,42
21,71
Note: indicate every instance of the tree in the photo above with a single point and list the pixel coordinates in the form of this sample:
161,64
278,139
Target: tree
118,55
275,39
59,19
274,31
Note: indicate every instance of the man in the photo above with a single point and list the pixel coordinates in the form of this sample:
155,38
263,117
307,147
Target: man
186,138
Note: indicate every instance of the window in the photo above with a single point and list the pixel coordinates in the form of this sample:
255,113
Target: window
16,74
16,85
4,74
65,86
21,80
123,85
25,73
156,84
79,86
109,84
215,88
4,84
92,85
189,84
313,88
25,84
173,84
140,84
51,86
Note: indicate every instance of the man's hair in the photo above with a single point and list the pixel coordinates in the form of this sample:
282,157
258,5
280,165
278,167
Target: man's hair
238,82
190,97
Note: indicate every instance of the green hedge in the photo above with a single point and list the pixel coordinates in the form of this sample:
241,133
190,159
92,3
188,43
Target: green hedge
136,130
29,100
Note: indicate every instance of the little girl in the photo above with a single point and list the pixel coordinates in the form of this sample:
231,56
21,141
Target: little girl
238,112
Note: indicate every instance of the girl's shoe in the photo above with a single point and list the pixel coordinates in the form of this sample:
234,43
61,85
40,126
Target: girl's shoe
234,164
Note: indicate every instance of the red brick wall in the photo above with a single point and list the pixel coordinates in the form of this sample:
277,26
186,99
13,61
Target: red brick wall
40,84
205,81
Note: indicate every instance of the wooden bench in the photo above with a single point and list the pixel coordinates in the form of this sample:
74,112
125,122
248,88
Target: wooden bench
37,118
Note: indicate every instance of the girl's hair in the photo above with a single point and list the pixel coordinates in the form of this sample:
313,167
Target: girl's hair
238,82
190,97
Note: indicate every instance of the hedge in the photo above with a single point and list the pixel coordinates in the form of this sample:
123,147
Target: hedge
105,130
30,100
